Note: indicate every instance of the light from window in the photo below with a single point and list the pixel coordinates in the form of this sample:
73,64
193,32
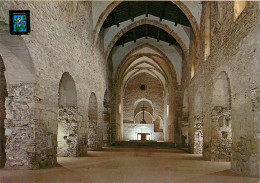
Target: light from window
207,32
239,6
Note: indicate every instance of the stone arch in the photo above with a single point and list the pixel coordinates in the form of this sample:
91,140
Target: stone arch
148,112
3,94
107,132
182,7
67,135
139,102
147,116
149,22
67,91
196,125
221,132
222,91
67,140
127,61
130,55
19,65
93,141
185,116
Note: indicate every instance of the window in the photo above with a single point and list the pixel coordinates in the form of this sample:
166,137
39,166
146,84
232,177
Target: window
239,6
207,32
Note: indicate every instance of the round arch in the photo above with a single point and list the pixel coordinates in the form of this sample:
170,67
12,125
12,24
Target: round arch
182,7
67,91
148,103
125,64
149,22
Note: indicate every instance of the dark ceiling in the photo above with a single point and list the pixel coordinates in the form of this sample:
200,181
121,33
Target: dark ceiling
146,31
128,10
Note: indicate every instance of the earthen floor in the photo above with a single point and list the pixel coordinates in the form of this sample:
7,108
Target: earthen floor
130,165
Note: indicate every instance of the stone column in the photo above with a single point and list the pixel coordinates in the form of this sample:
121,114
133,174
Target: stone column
68,132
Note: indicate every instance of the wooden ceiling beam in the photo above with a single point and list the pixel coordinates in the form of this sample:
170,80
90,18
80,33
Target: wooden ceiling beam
146,31
171,41
122,41
177,19
130,11
146,8
158,34
115,18
162,10
134,34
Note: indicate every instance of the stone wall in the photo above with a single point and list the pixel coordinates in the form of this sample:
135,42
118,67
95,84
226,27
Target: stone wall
153,92
234,50
68,131
25,145
196,138
61,44
94,136
3,94
107,127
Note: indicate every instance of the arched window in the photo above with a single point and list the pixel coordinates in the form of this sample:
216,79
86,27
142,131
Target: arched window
207,30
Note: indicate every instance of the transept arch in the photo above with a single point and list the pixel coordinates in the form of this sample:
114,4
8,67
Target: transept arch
180,5
147,22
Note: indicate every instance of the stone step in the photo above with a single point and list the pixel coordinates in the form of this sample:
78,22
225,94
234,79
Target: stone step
148,143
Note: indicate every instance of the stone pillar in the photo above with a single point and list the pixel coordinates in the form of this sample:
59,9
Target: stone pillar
196,136
106,125
68,132
3,94
26,134
221,137
246,148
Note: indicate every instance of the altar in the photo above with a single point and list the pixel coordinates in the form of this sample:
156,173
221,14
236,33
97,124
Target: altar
143,136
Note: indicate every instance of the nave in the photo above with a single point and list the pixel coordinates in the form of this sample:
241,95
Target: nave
128,165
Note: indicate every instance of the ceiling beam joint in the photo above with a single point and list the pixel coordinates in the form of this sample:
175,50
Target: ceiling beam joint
162,11
115,18
134,34
146,9
171,41
122,41
130,11
158,34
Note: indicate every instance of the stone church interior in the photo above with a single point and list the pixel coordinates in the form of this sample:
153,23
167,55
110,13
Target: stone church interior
130,91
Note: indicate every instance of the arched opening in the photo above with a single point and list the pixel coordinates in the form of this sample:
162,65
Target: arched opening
157,9
143,112
196,137
141,106
107,130
221,135
67,121
185,120
93,140
3,94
